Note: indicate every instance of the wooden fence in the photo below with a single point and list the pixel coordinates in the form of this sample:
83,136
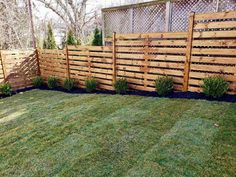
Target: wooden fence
208,48
18,67
212,48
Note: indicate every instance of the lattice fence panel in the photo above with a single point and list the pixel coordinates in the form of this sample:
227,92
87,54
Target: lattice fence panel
182,9
153,17
227,5
149,19
118,21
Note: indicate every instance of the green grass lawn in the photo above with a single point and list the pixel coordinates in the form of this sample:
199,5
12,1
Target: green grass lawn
49,133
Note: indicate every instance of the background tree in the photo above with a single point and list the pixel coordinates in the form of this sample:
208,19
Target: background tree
15,31
49,42
97,39
75,14
71,40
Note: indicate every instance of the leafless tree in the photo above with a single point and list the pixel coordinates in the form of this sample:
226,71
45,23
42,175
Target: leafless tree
14,24
74,13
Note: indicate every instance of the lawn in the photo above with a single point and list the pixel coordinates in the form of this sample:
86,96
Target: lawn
50,133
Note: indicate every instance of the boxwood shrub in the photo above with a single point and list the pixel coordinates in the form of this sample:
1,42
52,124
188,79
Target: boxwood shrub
6,89
164,85
52,82
37,82
69,84
215,86
121,85
91,85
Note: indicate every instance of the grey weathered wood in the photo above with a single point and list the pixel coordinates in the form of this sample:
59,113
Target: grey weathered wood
103,29
168,16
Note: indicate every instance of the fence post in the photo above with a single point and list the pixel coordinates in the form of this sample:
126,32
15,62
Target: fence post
3,67
37,58
67,62
146,59
114,57
188,52
89,64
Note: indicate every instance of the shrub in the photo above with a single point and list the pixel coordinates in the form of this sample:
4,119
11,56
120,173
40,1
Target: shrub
215,86
97,39
37,82
121,86
52,82
90,85
5,89
164,85
69,84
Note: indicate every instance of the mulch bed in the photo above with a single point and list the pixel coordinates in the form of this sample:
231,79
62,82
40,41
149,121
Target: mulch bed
183,95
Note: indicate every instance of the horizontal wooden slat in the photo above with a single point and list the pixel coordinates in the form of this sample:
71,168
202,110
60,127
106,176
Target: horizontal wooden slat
213,68
215,25
152,43
174,35
151,50
93,59
52,56
219,15
213,51
214,60
89,54
50,51
84,73
202,75
215,34
151,70
151,57
92,48
101,65
215,43
52,73
150,64
98,70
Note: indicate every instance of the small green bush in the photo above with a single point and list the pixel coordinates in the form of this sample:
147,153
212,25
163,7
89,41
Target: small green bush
164,85
90,85
52,82
121,85
69,84
215,86
37,82
5,89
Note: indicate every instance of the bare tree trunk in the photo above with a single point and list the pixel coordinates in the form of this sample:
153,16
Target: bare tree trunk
32,24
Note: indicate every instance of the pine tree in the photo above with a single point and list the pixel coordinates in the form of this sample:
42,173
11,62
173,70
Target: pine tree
97,40
44,44
49,42
71,39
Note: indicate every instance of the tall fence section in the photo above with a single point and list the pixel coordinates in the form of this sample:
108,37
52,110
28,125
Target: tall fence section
158,16
208,48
